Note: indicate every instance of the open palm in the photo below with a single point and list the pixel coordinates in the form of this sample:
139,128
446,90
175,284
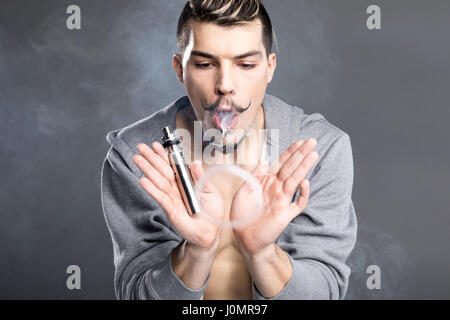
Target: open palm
160,183
279,183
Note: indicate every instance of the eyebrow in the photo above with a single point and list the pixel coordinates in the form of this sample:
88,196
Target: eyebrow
210,56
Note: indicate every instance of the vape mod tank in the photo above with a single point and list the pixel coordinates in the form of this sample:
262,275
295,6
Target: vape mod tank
172,144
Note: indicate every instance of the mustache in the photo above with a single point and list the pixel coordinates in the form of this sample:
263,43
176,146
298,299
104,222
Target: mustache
234,106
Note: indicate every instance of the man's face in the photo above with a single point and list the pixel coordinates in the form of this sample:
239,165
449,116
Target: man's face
225,71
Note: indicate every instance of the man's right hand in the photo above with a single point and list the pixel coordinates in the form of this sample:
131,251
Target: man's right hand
200,234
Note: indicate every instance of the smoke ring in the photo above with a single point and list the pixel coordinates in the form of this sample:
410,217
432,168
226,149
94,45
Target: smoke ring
244,175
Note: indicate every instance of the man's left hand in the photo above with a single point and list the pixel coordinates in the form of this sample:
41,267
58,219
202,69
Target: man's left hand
279,183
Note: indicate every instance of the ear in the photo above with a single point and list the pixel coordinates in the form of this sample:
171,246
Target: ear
178,66
272,64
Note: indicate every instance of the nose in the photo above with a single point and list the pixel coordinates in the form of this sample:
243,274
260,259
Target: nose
224,84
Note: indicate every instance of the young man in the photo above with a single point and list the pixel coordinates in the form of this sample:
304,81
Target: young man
297,246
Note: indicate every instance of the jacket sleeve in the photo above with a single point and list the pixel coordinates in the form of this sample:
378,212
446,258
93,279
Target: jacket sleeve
142,236
319,240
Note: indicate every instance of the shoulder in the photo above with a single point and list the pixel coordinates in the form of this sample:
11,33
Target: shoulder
315,125
147,130
333,146
295,124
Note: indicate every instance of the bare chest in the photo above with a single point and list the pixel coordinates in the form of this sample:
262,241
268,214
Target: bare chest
230,278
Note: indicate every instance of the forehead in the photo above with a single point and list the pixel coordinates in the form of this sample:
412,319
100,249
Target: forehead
226,41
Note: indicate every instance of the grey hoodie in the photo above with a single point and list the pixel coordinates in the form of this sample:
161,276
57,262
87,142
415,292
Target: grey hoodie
317,241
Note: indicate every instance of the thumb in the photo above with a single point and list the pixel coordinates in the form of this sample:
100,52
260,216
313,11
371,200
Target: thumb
261,169
197,172
259,172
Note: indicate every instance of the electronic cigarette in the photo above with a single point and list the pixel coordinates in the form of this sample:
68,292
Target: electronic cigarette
172,144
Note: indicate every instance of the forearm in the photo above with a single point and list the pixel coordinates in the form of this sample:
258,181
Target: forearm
271,270
192,265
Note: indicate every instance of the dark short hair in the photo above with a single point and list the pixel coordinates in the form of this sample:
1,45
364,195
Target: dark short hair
223,13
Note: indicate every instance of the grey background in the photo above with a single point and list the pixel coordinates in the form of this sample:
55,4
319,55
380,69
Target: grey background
61,91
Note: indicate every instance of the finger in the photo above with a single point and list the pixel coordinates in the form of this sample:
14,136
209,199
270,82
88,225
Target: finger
159,149
154,192
296,158
299,206
291,183
158,180
156,160
165,202
259,173
285,156
197,172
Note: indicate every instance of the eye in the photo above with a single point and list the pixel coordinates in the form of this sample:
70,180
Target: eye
203,65
247,66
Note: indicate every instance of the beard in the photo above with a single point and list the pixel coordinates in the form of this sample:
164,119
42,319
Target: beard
220,145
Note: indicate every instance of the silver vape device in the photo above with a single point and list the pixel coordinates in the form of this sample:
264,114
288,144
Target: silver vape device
172,144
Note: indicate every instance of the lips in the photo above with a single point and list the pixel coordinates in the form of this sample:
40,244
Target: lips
225,120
